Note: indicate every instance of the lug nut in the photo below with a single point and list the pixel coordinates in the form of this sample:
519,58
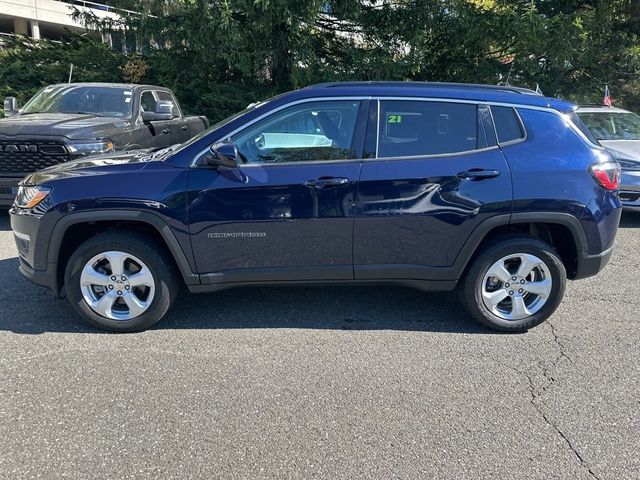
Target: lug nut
506,285
127,287
520,291
514,278
522,281
110,287
123,278
119,292
511,292
113,278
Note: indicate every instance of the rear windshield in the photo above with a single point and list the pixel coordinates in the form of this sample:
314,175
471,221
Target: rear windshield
612,125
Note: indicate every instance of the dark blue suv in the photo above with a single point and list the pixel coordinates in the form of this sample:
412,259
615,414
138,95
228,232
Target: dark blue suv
490,190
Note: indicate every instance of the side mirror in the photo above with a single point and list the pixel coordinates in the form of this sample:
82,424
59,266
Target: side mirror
163,111
223,155
10,106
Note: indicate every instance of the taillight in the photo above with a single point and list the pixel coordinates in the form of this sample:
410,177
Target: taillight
607,175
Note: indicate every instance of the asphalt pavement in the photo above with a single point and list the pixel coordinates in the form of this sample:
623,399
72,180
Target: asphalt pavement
332,383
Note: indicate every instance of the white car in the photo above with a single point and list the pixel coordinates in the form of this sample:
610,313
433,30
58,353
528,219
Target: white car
618,131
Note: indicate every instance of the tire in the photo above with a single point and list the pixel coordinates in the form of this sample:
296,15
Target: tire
485,283
139,298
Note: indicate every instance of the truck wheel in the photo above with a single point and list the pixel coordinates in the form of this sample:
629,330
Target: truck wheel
118,281
514,285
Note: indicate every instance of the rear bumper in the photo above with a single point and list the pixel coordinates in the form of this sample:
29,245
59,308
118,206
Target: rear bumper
590,265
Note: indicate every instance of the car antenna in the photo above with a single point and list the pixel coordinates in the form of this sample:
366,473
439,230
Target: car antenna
70,72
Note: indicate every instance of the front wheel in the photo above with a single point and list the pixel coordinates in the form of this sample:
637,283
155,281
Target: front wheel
118,281
514,285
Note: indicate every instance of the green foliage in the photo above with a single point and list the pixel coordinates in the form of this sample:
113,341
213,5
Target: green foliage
220,55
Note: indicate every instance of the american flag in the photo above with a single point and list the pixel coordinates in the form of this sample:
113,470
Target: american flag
607,97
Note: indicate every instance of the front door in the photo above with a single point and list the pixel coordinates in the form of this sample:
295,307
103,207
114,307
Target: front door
437,174
286,212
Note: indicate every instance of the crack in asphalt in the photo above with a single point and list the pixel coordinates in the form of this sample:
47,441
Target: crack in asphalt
537,402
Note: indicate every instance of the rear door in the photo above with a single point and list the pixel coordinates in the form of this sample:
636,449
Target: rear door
436,174
286,212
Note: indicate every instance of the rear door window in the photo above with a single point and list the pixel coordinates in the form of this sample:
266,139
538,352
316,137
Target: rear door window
418,128
507,122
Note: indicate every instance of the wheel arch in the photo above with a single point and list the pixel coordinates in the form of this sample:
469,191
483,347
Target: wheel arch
73,229
563,231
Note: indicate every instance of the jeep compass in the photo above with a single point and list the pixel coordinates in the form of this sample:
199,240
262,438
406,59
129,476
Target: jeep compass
494,192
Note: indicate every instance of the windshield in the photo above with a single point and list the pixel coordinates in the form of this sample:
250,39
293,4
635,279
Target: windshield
94,100
613,125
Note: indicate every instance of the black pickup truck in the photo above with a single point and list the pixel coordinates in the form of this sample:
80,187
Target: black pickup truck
68,121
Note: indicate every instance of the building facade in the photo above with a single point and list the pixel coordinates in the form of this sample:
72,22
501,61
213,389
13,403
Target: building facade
51,19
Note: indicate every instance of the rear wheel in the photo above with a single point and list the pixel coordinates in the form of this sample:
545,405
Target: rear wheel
514,285
118,281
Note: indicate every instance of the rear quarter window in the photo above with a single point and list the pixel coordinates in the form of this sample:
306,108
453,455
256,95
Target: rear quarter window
507,123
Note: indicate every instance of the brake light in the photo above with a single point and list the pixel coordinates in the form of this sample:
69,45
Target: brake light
607,175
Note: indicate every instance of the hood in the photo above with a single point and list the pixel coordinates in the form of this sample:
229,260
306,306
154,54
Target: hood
70,125
623,149
96,165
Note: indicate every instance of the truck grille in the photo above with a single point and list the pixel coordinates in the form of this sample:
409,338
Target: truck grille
26,156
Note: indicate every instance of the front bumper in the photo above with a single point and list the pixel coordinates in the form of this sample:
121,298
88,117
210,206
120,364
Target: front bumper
29,232
8,190
630,189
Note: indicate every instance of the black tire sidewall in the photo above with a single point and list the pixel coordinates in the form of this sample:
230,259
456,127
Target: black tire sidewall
138,246
472,287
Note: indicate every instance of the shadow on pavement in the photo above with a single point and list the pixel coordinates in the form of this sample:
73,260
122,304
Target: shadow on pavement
28,309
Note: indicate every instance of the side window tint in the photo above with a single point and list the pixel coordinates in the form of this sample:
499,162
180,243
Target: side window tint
507,124
307,132
148,102
414,128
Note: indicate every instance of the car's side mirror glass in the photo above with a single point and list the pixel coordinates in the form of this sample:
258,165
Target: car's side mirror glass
10,106
163,111
223,155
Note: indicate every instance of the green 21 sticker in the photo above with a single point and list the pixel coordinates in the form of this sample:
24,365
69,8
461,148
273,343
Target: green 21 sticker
394,119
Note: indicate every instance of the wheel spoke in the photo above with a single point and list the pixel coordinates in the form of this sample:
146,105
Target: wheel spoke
104,305
142,278
500,272
494,298
136,306
90,276
116,262
528,263
542,287
519,309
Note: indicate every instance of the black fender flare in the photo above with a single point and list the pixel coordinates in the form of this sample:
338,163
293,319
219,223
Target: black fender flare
151,219
482,230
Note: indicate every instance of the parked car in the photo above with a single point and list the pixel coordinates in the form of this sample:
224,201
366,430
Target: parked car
431,186
619,131
68,121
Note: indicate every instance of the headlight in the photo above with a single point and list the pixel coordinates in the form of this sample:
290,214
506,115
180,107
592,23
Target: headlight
629,164
29,197
91,148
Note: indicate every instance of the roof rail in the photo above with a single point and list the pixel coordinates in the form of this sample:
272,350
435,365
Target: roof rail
471,86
